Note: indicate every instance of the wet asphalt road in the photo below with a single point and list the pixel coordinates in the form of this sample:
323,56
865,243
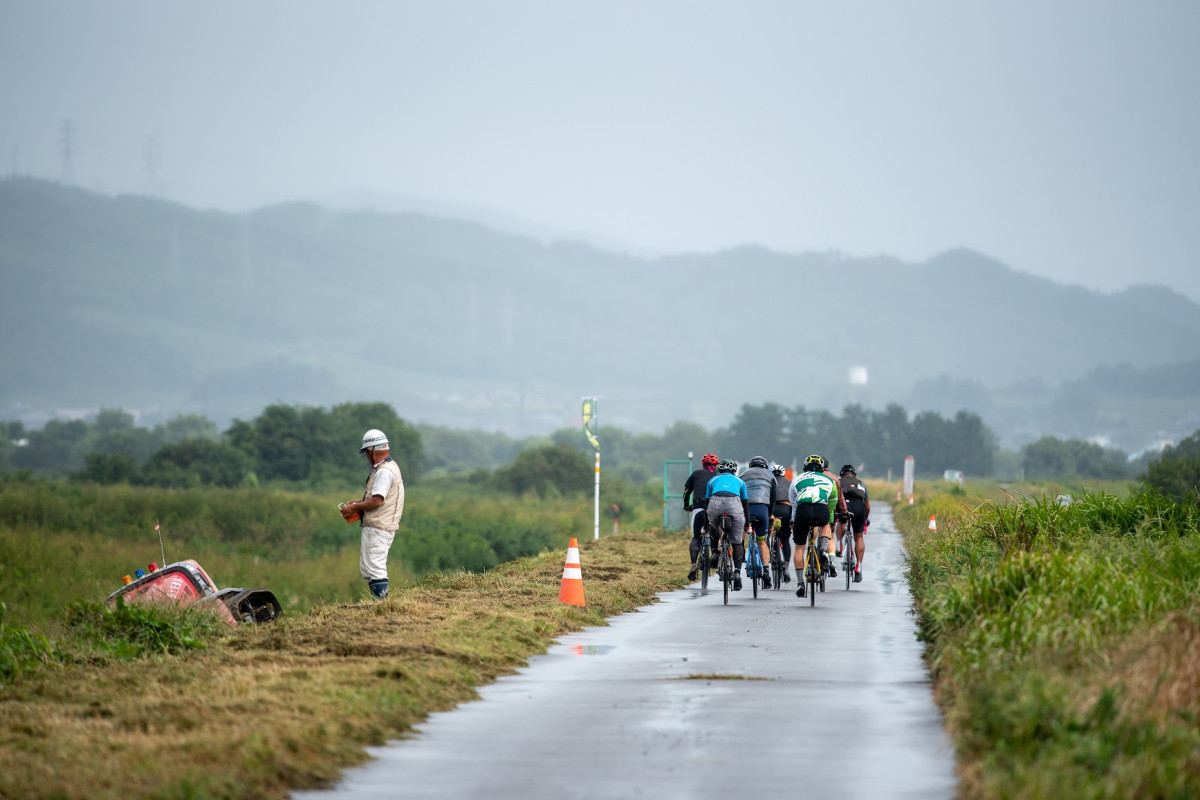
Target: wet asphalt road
841,708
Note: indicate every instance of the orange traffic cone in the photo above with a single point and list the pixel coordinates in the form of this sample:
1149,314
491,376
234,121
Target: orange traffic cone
932,522
571,591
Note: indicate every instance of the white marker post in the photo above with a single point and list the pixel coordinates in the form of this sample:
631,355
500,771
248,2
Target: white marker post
591,429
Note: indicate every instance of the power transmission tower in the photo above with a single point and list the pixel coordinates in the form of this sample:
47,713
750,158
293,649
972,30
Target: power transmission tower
66,149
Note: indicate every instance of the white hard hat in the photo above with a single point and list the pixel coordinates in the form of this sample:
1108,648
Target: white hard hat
374,439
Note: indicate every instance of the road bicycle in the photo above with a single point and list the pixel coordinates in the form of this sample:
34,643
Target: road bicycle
754,563
776,550
849,554
704,561
814,573
725,554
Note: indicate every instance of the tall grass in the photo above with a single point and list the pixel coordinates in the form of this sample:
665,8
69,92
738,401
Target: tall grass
62,541
1043,621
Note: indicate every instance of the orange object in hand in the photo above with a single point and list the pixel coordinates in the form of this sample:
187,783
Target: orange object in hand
355,515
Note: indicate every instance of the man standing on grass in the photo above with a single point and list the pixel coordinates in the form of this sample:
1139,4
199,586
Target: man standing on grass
379,510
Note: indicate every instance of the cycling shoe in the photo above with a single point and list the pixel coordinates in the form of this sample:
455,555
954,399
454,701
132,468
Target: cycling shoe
800,590
737,581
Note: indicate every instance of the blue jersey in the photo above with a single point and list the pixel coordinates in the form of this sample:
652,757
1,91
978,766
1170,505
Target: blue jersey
727,483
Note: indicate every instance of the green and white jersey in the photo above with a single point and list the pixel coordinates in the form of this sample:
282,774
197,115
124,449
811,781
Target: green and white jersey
812,487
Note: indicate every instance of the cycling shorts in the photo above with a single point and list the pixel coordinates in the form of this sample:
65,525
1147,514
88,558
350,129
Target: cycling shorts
859,509
758,520
808,514
720,504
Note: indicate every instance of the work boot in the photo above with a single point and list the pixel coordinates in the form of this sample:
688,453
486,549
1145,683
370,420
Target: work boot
737,580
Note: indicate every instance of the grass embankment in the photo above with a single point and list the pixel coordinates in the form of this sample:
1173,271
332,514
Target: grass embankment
260,710
1064,640
61,541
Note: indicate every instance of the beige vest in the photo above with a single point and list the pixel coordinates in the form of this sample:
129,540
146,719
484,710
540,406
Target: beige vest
387,516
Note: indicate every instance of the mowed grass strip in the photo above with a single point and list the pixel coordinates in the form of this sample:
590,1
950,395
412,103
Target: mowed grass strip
284,706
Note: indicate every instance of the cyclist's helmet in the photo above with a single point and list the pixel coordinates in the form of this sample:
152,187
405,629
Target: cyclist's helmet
814,464
824,463
849,468
778,470
727,465
709,460
758,461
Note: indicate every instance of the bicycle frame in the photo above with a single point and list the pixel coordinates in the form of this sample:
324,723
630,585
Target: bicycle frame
754,562
849,554
704,560
725,554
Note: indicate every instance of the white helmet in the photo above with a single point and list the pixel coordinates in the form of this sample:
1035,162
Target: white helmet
374,439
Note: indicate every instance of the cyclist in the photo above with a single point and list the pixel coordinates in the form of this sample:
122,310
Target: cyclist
726,494
694,500
858,502
810,495
782,511
835,543
760,500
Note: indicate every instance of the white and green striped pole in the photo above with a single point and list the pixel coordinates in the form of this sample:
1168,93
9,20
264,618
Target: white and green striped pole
591,429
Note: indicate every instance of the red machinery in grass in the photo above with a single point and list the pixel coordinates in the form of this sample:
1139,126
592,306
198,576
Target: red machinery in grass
186,583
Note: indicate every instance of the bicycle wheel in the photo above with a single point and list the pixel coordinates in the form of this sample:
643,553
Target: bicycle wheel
726,572
848,559
754,581
776,563
812,566
704,563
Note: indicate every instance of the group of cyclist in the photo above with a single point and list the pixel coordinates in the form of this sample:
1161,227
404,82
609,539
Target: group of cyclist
761,497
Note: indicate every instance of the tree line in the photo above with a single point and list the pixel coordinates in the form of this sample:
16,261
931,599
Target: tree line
317,448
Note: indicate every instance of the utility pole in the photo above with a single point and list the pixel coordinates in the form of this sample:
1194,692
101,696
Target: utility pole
66,149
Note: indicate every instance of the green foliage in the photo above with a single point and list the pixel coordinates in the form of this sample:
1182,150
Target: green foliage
129,632
22,649
1177,473
451,450
549,471
196,462
874,440
1050,457
60,540
1026,607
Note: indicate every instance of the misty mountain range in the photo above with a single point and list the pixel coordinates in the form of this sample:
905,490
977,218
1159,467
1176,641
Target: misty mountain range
152,306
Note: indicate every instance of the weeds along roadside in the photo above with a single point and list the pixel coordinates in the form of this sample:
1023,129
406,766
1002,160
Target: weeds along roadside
256,711
1064,639
62,541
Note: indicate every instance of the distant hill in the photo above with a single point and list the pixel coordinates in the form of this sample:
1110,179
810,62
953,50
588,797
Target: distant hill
147,304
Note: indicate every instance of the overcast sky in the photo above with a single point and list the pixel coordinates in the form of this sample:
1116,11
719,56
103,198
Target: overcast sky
1058,137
